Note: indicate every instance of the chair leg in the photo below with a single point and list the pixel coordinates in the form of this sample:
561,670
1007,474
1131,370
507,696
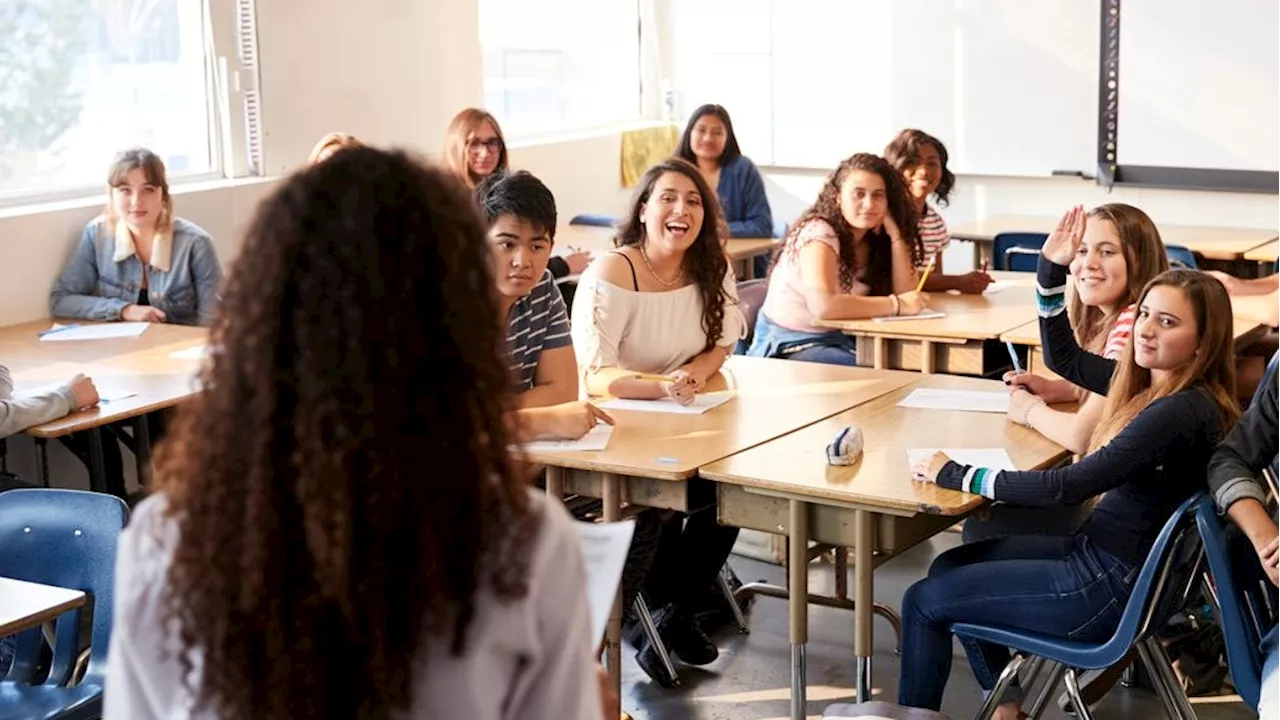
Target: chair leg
1073,691
1051,681
1167,685
727,591
1002,685
651,632
1030,671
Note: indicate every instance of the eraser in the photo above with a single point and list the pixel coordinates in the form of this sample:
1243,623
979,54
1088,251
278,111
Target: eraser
846,448
667,460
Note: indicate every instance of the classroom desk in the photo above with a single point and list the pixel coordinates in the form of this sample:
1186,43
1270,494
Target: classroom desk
951,344
1214,243
600,239
140,365
1267,252
873,507
652,456
25,605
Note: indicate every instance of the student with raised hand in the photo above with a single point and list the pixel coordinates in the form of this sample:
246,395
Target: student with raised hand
1248,449
922,160
331,143
338,530
137,261
851,255
521,214
664,304
1169,404
710,144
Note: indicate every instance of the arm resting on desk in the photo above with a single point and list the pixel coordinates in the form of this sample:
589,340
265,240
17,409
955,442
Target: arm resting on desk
18,414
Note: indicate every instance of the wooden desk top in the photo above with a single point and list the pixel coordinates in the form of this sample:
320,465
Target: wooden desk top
1266,252
771,398
26,604
139,365
600,239
1029,334
796,464
969,317
1216,243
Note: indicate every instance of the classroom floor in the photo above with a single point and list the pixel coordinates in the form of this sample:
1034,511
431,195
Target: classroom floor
751,679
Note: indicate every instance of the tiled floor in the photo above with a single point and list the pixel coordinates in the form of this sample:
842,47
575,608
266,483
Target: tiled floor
751,679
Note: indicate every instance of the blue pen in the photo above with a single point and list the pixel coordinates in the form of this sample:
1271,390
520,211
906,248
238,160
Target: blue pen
59,329
1017,366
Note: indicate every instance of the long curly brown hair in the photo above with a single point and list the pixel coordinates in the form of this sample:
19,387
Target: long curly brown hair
342,488
879,272
705,260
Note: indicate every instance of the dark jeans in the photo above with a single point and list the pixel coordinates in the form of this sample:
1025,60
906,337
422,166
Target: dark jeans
672,560
1057,586
1005,520
828,354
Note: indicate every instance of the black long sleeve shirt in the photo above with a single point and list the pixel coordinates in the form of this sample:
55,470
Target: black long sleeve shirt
1248,448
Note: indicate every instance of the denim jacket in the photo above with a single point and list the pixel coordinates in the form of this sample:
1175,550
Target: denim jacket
104,275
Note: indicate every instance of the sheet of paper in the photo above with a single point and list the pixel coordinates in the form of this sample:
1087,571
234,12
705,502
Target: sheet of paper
993,458
968,400
199,352
596,439
701,404
604,550
998,286
926,315
106,397
104,331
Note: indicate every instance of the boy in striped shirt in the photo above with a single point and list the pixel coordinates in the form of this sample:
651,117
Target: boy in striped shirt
521,214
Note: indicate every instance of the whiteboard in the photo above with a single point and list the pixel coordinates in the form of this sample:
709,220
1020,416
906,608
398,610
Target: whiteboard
1010,86
1199,84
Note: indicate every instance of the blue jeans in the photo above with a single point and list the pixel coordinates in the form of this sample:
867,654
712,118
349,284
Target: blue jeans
829,354
1269,693
1057,586
772,340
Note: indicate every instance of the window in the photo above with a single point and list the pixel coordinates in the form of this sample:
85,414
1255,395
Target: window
560,65
82,79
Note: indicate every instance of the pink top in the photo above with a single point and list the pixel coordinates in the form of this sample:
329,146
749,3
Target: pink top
784,304
1120,333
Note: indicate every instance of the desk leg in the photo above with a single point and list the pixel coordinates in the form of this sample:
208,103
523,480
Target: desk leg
863,605
798,603
42,460
97,463
881,361
142,449
613,632
555,483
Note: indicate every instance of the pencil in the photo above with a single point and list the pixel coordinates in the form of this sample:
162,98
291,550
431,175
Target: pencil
985,264
927,269
654,378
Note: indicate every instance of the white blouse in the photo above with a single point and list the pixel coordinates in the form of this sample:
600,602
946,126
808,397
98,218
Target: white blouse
528,658
648,332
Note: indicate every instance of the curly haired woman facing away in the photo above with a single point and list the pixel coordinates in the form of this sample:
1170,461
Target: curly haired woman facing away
338,532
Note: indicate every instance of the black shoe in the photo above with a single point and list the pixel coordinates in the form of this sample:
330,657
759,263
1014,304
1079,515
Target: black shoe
647,659
683,638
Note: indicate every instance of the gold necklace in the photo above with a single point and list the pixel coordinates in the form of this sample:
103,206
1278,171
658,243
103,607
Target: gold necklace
676,281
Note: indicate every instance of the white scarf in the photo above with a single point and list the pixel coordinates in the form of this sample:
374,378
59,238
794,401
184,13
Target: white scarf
161,247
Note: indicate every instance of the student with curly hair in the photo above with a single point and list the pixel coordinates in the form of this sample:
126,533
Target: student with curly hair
339,531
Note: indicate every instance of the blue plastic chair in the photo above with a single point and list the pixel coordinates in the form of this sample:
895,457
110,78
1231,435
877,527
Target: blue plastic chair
1181,257
1245,599
593,220
1016,250
751,295
65,538
1169,574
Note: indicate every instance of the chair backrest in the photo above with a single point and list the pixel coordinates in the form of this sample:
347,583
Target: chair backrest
750,297
65,538
1018,259
1180,256
1002,242
780,229
1243,607
593,220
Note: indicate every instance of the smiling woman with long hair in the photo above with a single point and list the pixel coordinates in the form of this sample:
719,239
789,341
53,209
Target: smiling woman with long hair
338,531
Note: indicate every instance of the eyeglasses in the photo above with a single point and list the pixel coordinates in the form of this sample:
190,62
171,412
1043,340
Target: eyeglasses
493,145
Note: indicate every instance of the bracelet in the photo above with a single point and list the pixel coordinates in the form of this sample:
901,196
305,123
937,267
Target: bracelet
1026,416
897,307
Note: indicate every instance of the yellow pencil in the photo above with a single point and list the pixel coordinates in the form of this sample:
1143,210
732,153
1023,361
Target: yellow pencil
655,378
927,269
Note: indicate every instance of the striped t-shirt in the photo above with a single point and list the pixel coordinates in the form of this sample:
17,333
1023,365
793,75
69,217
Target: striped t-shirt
538,321
1120,333
933,234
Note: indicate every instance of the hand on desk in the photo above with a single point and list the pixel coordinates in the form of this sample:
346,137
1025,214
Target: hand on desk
912,303
684,386
142,313
928,470
1051,391
84,392
572,420
1021,403
973,283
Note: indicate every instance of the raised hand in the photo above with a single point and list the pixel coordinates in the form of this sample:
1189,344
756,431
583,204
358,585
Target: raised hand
1065,239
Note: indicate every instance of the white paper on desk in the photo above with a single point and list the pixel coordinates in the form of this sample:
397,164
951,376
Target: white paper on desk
926,315
964,400
96,332
595,439
993,458
700,404
199,352
604,550
997,286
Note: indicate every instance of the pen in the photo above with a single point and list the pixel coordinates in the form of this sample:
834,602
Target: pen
1017,366
985,264
927,269
58,329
